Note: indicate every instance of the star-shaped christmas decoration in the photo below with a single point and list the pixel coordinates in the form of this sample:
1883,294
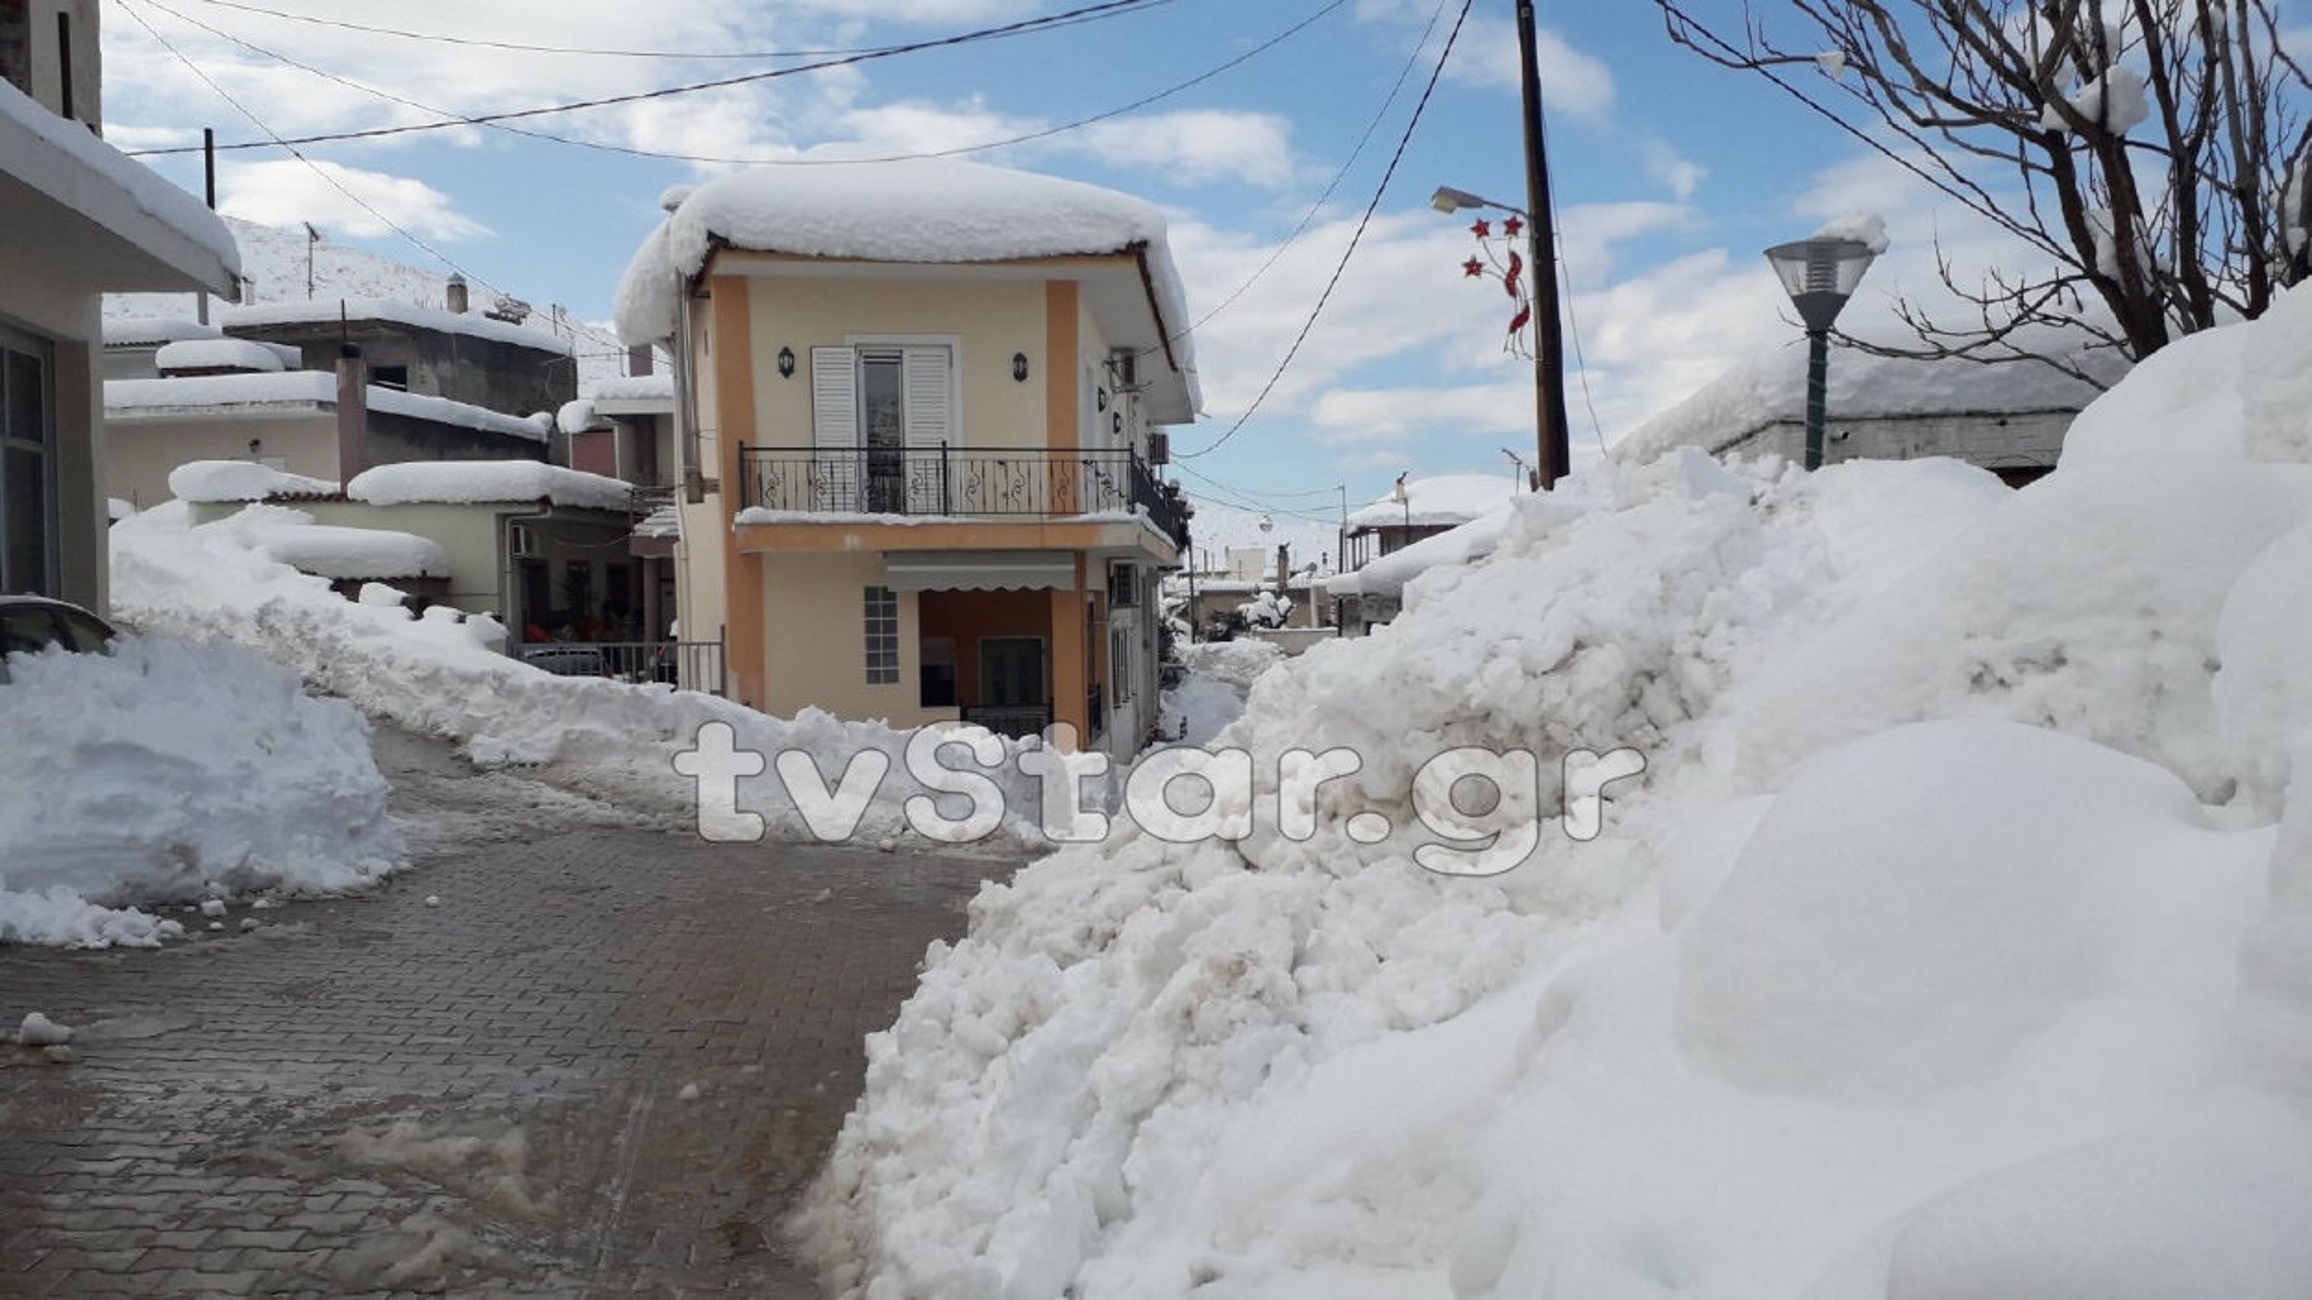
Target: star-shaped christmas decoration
1473,268
1511,226
1481,228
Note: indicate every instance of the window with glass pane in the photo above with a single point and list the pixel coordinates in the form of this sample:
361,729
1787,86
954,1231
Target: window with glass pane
27,524
882,636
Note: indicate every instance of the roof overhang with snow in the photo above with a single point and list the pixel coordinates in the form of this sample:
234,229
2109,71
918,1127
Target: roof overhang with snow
103,219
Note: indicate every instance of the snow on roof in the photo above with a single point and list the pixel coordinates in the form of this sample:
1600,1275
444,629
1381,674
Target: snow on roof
1771,386
209,481
137,331
165,237
331,310
192,394
223,354
655,387
1444,499
929,211
1866,228
578,416
475,481
665,521
334,551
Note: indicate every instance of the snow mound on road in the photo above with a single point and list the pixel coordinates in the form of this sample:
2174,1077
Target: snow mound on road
615,740
152,773
1953,942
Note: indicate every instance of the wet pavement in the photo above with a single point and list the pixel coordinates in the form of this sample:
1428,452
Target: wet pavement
569,1053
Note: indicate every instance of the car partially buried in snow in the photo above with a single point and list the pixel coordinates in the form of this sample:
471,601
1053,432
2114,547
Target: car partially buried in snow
30,624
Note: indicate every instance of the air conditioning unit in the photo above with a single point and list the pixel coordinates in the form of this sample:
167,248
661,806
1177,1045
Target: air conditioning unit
521,541
1159,448
1123,585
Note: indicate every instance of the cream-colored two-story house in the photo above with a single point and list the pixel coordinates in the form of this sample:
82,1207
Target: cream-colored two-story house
80,219
920,410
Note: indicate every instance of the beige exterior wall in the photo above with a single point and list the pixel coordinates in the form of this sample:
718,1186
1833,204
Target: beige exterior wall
42,34
988,321
141,450
814,616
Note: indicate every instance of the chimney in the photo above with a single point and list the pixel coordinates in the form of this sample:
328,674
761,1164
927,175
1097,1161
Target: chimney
638,360
457,295
352,413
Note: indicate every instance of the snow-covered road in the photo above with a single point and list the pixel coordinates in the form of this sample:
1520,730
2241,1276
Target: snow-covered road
566,1050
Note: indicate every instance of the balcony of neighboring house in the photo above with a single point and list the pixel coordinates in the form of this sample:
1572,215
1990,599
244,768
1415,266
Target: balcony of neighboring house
801,484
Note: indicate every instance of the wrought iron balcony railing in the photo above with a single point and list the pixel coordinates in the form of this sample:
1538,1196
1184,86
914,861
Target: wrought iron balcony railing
1033,482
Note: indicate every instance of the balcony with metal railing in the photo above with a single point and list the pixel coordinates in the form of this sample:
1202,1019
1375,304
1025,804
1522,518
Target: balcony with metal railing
1010,482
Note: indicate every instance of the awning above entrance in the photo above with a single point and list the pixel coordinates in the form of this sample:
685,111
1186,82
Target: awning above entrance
980,570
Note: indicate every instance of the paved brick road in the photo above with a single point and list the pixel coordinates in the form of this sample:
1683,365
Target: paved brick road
603,1065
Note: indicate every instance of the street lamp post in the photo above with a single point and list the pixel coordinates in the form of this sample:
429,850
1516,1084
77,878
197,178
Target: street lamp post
1819,274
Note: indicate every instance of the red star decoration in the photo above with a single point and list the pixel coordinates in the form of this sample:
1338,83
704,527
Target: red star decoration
1473,268
1511,226
1481,228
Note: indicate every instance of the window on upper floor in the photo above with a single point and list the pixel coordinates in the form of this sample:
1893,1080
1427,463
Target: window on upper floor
16,43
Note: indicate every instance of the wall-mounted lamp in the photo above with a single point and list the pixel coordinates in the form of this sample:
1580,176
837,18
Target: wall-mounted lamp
786,363
1020,366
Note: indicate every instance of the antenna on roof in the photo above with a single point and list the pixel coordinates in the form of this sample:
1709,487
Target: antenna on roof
312,237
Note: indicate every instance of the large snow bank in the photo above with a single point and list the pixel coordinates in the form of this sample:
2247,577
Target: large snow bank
165,768
1953,942
438,676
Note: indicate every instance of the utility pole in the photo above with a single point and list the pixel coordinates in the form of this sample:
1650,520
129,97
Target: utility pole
1540,228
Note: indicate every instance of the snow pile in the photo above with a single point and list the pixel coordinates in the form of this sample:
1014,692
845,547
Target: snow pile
1953,941
1216,675
166,769
471,481
613,739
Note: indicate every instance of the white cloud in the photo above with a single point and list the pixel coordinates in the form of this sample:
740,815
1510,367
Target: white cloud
1571,81
1196,145
1678,173
343,199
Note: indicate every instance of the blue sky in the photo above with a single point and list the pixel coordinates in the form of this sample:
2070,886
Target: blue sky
1670,176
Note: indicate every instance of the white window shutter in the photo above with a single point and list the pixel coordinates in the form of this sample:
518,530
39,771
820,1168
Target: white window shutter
835,477
928,386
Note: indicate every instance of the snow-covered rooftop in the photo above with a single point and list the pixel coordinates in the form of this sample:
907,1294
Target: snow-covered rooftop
142,331
1444,499
467,481
223,354
1771,387
657,386
924,211
194,394
339,552
211,481
328,311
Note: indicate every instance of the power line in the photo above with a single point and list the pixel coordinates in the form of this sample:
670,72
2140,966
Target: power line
134,12
517,47
1308,218
610,101
1363,223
